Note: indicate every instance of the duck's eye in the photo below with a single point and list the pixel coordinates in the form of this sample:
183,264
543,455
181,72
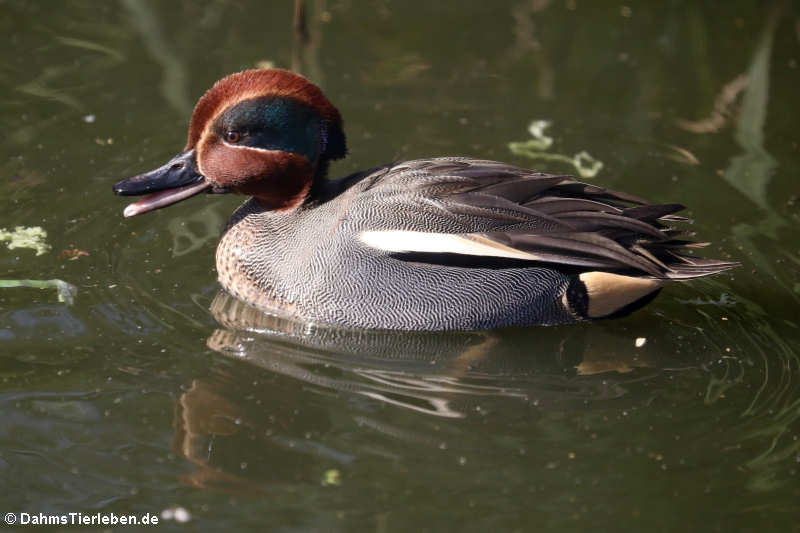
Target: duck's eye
232,136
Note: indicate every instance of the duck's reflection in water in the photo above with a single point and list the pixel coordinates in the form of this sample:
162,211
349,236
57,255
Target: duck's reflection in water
290,391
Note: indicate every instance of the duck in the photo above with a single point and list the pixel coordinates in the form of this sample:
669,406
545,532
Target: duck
445,243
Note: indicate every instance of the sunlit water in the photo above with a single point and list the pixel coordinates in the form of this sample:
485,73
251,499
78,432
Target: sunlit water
153,392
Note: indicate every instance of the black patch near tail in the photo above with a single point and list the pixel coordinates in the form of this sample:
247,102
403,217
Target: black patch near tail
578,298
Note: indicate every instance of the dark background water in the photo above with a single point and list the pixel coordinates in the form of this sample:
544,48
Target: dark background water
150,392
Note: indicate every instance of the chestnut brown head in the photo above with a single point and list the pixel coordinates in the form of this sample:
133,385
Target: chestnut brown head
264,133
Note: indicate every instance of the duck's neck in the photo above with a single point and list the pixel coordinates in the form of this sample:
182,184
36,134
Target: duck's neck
295,183
300,191
322,188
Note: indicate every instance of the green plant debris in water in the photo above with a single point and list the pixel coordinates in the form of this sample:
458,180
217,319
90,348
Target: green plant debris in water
34,238
586,165
66,291
331,477
540,141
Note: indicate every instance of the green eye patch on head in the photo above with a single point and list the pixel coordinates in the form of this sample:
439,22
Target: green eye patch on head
274,124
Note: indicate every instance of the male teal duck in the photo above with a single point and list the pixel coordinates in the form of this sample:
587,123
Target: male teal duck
448,243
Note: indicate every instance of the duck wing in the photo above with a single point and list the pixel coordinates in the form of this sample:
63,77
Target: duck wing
485,213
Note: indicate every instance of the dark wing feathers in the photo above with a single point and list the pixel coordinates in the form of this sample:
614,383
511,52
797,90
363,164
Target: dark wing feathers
595,221
489,204
576,249
554,206
651,213
521,190
557,219
577,189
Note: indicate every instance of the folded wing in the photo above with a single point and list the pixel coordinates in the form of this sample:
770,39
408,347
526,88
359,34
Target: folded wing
515,216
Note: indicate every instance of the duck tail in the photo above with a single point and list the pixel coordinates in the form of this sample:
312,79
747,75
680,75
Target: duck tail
675,264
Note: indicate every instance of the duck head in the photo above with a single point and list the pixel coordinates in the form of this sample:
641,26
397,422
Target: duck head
265,133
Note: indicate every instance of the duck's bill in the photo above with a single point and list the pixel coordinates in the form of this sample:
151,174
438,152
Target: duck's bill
177,180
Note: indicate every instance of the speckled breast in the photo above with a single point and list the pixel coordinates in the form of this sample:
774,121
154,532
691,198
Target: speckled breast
306,265
239,260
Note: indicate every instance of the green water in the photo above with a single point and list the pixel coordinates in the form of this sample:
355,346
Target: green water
152,392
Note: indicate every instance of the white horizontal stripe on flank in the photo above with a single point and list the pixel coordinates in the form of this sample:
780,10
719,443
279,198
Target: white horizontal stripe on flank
418,241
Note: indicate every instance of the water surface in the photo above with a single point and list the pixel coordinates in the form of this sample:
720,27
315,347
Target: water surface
152,391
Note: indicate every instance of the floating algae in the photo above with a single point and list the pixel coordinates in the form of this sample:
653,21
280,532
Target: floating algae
331,477
66,291
35,239
586,165
25,237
